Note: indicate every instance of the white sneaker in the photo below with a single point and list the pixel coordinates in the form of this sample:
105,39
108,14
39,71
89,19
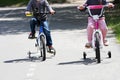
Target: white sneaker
88,45
106,43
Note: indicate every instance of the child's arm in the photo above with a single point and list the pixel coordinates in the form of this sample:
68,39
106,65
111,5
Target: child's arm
110,5
83,7
28,9
29,5
49,7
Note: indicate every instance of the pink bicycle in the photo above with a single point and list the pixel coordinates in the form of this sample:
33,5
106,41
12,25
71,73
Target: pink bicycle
97,37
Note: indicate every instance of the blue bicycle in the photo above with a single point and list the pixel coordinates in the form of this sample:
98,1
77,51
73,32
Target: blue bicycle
41,42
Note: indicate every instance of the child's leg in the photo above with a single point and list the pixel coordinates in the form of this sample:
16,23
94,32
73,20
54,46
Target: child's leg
33,23
90,28
47,33
103,28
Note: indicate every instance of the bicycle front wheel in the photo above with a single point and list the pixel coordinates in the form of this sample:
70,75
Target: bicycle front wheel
42,48
97,49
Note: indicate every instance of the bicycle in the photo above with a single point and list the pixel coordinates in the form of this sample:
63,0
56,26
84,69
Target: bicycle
97,37
41,43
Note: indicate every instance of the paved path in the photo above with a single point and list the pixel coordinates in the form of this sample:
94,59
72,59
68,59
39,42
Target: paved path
68,29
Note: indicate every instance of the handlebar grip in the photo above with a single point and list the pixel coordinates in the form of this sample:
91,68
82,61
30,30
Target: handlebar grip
96,6
28,15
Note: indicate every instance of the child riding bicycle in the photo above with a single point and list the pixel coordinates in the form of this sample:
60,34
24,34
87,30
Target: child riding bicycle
40,6
91,25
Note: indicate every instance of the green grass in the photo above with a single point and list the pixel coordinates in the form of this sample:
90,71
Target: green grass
4,3
113,20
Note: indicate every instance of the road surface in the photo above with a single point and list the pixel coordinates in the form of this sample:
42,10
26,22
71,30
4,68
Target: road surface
68,29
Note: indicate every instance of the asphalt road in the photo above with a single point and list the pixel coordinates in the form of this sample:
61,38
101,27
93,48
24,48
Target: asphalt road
68,29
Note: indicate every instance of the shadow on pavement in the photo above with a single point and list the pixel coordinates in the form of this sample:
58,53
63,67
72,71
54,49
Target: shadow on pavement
87,61
27,59
13,22
18,60
67,18
33,59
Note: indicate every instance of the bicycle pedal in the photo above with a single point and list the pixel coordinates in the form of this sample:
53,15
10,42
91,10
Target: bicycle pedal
52,52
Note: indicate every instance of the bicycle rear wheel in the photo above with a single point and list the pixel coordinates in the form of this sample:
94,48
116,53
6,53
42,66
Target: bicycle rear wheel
97,49
42,48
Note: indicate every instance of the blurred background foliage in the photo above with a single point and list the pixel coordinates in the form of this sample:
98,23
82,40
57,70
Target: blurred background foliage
4,3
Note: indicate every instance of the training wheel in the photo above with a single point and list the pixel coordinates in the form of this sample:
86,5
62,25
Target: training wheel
36,44
29,54
84,55
109,54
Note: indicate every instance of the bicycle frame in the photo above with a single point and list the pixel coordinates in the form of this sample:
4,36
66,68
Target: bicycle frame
97,37
96,28
41,33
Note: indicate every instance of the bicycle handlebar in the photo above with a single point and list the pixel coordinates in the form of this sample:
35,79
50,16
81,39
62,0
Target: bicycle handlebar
96,7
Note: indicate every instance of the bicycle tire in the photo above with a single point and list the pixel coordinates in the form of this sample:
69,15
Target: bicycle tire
97,49
42,48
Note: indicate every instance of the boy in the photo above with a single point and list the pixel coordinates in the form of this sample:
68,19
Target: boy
40,6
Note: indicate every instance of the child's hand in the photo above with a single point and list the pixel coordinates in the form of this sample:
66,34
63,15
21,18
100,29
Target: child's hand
111,5
52,12
28,13
81,7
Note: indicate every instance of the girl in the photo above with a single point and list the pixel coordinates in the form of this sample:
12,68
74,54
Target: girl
102,23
